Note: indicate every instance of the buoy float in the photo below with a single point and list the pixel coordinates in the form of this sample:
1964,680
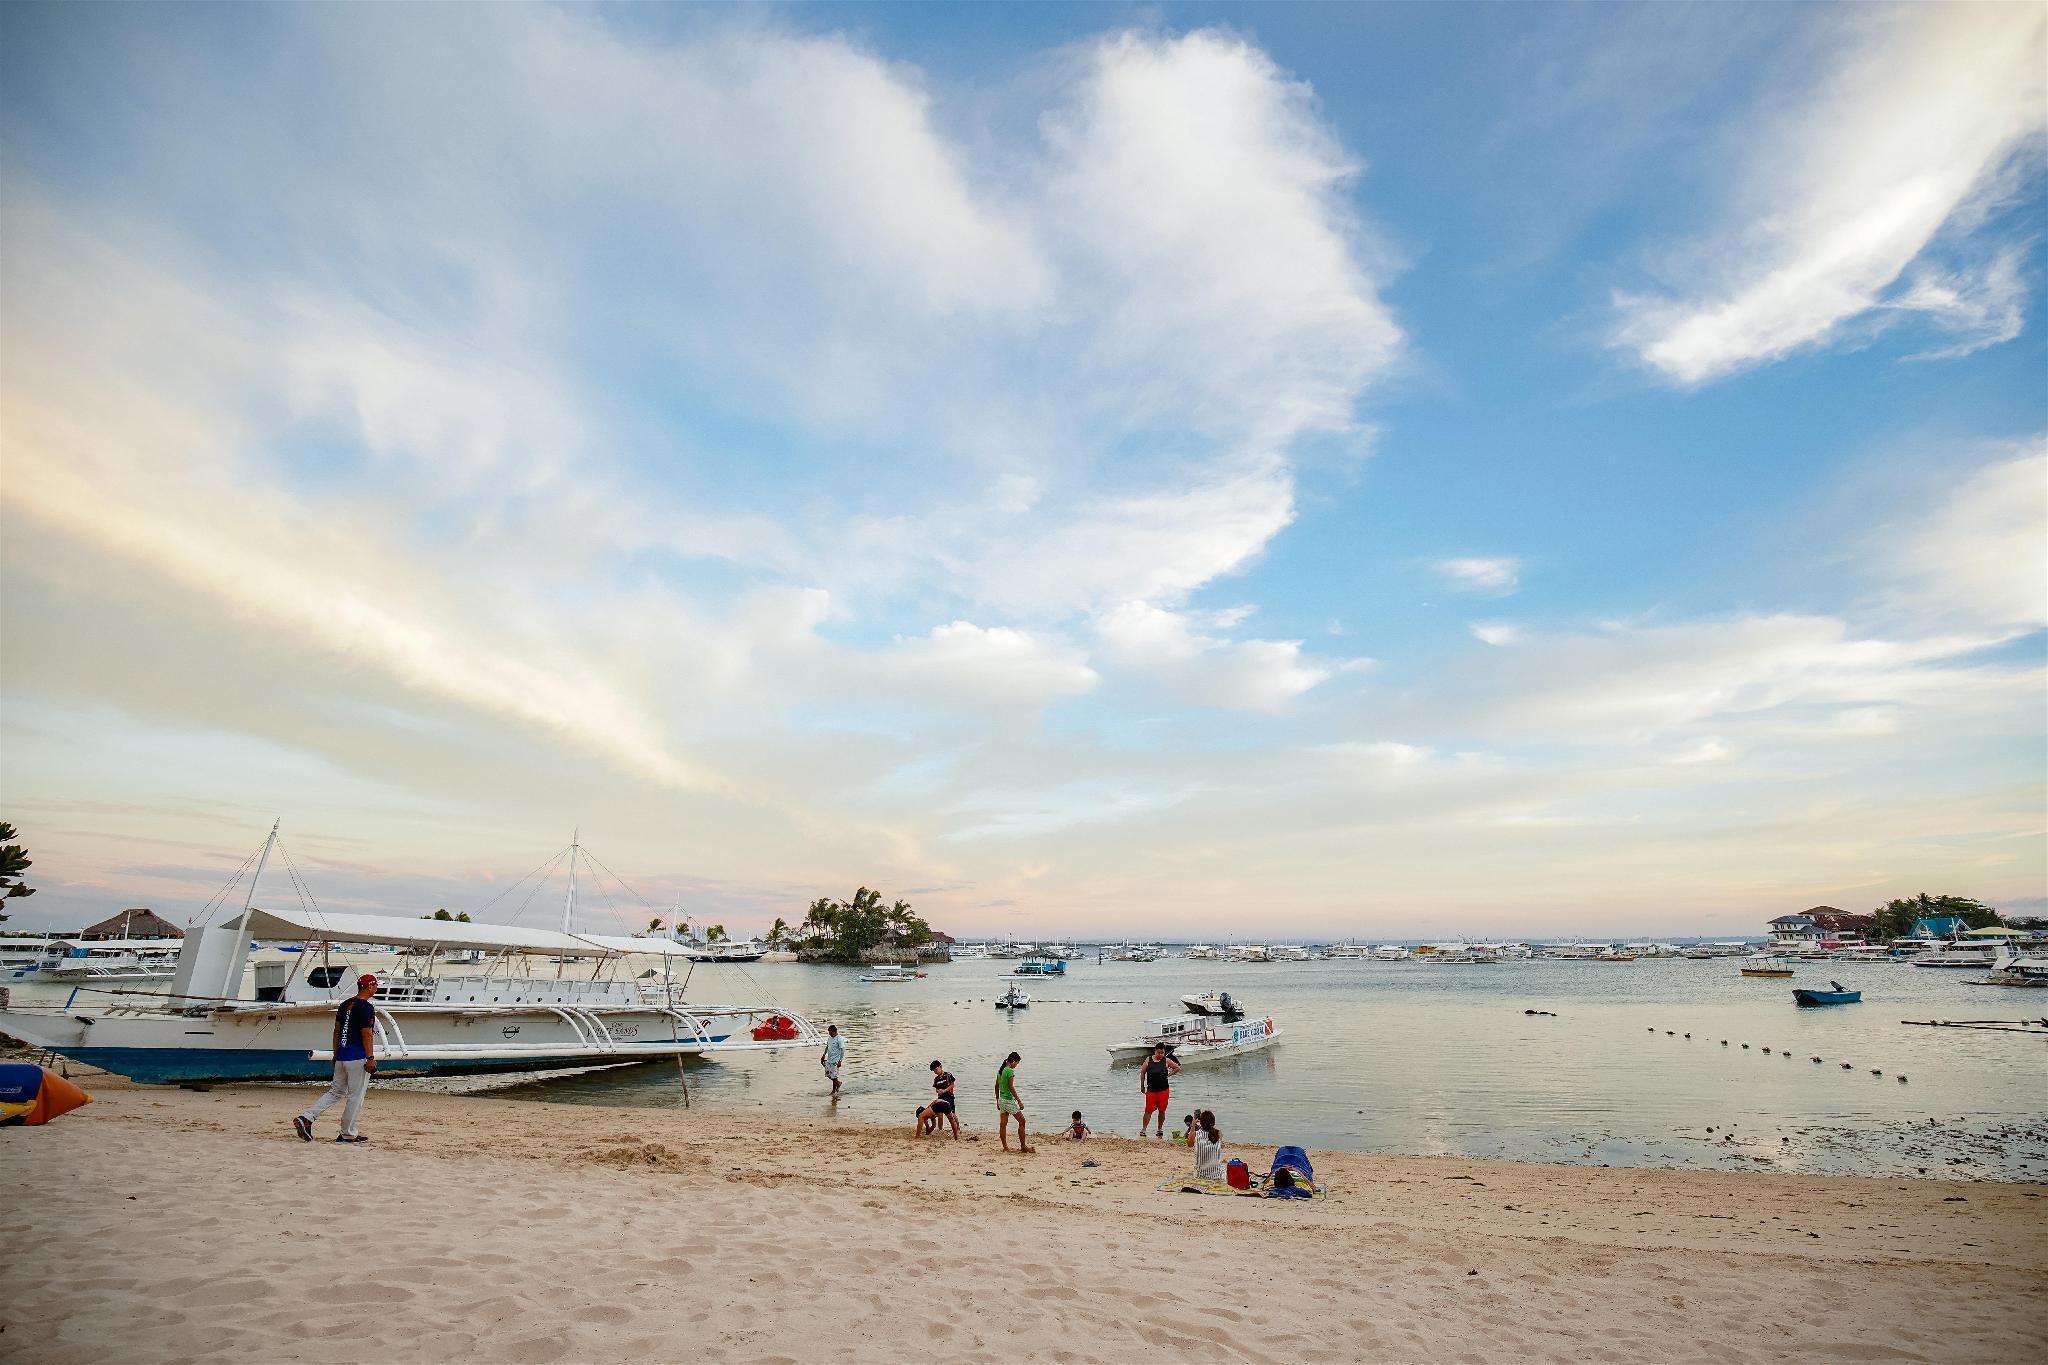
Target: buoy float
1902,1080
1875,1072
1847,1067
1767,1051
1724,1042
1688,1035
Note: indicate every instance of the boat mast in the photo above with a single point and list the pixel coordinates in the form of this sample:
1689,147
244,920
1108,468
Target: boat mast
230,986
569,902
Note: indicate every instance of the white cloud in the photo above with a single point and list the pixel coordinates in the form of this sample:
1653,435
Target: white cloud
1165,649
976,665
1496,633
1925,108
1499,574
1978,555
1979,309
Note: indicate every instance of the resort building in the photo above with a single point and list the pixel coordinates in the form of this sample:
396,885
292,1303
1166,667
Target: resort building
1792,933
136,923
1932,928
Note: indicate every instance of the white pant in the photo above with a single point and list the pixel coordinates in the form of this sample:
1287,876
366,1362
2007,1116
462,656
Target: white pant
351,1083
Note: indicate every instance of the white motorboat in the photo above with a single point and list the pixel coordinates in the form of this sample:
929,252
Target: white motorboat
1249,952
1287,952
1217,1003
1015,998
1201,952
1391,952
1190,1040
886,975
585,1010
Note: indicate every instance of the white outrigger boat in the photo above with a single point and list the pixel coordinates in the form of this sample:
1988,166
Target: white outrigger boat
68,961
548,1000
1193,1039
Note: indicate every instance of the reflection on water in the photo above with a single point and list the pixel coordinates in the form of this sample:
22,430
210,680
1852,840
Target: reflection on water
1415,1057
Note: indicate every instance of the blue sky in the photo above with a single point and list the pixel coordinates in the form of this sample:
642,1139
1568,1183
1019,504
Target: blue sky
1193,470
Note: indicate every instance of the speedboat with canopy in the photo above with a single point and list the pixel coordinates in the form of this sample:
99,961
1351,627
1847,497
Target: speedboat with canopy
546,999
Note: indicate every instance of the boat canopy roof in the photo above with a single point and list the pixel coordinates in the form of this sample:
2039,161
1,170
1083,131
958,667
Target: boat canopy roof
325,927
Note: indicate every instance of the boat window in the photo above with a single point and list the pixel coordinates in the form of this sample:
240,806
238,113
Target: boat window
323,977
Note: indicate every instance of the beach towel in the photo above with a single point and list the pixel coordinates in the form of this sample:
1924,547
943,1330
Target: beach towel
1260,1189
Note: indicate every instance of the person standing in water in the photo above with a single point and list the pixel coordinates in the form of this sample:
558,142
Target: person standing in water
355,1060
1156,1080
1007,1104
835,1053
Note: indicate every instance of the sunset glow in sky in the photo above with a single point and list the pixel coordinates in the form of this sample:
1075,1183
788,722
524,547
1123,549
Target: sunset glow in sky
1301,472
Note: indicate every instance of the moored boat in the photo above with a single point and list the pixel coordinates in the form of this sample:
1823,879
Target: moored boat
1764,966
1040,966
1836,996
1013,999
1218,1003
1191,1040
886,975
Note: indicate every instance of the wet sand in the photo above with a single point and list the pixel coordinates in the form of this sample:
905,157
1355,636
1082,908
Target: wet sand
174,1225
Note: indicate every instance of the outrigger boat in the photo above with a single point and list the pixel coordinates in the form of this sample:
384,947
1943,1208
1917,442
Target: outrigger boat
583,1009
1764,966
1040,966
1191,1040
882,976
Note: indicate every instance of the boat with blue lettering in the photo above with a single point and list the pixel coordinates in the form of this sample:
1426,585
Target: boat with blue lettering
1191,1039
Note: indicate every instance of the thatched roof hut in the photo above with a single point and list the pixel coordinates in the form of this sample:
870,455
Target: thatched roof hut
136,923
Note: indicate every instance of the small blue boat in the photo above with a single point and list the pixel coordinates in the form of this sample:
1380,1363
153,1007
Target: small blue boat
1837,996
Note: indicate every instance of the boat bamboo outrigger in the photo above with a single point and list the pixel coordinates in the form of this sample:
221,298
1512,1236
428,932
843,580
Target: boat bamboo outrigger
581,1009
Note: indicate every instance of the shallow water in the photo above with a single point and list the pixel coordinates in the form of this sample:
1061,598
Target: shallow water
1432,1059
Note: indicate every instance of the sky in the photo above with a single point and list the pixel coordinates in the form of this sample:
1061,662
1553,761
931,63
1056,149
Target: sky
1192,472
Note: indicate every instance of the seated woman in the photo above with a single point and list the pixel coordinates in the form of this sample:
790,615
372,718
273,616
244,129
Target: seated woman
1208,1148
940,1110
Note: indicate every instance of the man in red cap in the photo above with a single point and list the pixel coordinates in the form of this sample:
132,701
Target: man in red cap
355,1058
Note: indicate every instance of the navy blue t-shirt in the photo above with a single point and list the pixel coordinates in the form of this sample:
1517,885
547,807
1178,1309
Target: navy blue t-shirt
354,1016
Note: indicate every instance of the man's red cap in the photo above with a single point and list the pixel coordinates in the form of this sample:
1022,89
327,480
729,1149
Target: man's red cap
365,980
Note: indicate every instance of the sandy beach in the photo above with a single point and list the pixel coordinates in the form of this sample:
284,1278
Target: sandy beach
175,1225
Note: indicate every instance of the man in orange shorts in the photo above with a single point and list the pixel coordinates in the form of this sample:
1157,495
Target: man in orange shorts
1156,1079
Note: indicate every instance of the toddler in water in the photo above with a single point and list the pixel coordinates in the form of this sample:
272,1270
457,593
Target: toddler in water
1077,1129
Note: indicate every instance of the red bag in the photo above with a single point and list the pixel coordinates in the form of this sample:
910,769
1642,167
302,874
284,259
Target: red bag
1237,1174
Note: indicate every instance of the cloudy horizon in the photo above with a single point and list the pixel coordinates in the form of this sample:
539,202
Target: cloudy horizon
1110,471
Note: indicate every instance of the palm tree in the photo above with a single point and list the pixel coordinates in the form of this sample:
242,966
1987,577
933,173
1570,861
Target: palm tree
654,925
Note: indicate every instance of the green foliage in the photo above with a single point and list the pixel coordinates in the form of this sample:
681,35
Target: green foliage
654,925
842,930
14,861
1895,918
442,914
715,934
778,932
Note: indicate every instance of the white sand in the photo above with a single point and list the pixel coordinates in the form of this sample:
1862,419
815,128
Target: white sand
168,1225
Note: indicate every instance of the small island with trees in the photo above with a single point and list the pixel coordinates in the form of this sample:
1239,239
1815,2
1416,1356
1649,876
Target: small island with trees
863,930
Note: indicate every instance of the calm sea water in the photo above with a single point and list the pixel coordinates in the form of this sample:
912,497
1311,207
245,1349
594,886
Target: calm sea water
1433,1059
